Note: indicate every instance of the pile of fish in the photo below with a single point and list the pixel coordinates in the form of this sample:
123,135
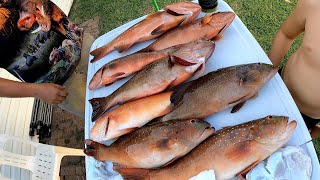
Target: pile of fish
158,118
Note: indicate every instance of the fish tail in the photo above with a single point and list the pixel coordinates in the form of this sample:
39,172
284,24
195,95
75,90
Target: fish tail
101,52
134,174
97,51
96,150
144,50
98,107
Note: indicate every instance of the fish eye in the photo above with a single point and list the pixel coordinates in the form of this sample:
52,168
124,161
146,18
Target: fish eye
192,121
270,117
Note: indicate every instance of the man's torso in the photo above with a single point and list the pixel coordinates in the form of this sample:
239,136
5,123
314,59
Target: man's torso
302,71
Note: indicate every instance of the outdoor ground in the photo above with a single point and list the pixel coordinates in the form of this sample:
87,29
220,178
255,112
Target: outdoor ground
261,17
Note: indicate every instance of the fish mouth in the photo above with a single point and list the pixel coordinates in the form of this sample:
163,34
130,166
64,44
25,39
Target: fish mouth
208,131
94,84
99,130
287,133
224,19
274,70
272,73
96,81
291,126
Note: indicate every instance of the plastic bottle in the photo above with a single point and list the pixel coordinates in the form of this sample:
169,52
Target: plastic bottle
208,5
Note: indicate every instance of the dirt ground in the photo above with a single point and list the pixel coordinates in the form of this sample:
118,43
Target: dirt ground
68,129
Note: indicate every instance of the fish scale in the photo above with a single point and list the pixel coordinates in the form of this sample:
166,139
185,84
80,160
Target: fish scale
208,27
230,151
157,77
153,145
151,27
219,90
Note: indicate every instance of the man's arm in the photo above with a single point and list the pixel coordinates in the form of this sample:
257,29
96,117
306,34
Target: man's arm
49,92
289,30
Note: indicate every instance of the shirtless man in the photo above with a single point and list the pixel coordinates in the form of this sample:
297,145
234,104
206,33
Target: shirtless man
301,73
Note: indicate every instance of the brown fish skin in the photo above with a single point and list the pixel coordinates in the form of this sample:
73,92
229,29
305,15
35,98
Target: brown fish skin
231,151
219,90
153,145
130,116
153,26
158,76
126,66
208,27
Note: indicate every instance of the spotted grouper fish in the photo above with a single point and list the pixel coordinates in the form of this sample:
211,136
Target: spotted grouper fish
219,90
152,145
158,76
230,152
151,27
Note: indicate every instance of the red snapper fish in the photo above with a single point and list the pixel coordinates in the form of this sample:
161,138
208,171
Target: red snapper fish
158,76
151,27
126,66
130,116
210,26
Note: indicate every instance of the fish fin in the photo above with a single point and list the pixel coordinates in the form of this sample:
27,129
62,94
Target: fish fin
123,48
97,108
170,63
176,59
247,169
239,150
128,130
101,52
118,74
238,107
200,70
159,30
96,52
240,177
177,95
134,173
97,150
206,19
169,162
252,77
106,85
255,96
222,29
165,144
154,122
225,127
118,166
144,50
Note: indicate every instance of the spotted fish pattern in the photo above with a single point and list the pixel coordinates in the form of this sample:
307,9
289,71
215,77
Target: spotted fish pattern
231,151
153,145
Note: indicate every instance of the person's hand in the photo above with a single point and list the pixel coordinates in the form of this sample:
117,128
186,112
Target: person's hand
51,93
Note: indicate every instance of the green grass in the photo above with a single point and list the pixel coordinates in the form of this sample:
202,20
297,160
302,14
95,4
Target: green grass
263,18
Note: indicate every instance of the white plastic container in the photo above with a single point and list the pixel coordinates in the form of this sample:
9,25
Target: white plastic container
237,46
